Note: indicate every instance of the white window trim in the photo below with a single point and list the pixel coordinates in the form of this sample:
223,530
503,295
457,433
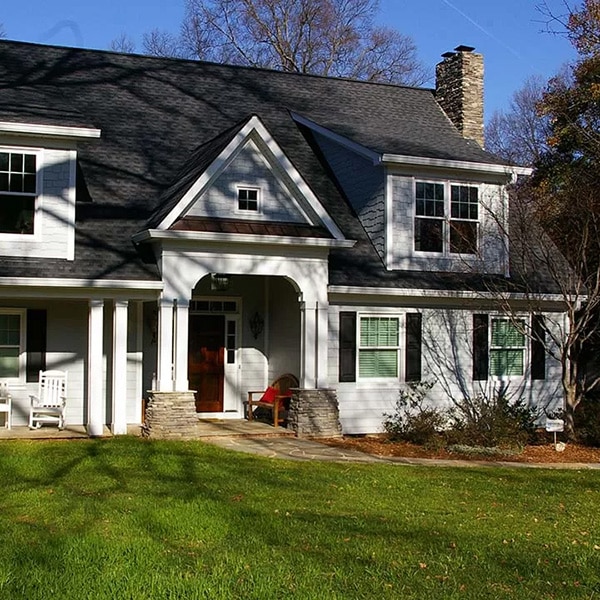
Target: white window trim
37,220
253,188
526,346
22,313
446,219
400,350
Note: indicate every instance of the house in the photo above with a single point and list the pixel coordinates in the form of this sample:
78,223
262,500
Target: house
187,231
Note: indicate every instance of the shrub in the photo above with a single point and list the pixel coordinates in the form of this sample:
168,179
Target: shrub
491,421
587,421
414,421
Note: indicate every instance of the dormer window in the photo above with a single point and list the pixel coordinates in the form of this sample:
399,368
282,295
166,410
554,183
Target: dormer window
18,189
446,218
248,199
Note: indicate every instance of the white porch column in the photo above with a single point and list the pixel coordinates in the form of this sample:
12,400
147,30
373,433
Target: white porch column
181,344
164,376
95,368
119,353
308,379
322,344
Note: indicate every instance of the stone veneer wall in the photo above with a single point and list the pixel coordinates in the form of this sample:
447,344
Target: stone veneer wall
314,413
170,415
459,91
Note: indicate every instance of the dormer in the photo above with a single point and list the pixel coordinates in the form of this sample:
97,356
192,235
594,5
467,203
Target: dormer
37,188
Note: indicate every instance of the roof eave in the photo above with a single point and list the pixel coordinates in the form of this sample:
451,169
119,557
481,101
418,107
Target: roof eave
239,238
49,131
443,163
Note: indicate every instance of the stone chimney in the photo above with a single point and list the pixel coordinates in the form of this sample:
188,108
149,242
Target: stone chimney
459,90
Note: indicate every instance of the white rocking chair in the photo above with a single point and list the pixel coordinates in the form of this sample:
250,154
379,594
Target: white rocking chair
5,404
49,404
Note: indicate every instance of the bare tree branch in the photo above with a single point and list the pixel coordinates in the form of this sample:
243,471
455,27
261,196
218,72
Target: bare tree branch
323,37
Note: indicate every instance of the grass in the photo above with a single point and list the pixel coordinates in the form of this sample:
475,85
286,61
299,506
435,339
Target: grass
132,519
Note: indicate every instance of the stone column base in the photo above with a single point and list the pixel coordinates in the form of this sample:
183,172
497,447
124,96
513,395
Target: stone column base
314,413
170,415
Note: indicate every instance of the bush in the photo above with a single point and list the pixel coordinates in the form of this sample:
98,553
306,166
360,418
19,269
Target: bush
414,421
587,422
491,422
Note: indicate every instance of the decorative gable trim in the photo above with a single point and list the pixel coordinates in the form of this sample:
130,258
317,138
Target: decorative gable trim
258,132
339,139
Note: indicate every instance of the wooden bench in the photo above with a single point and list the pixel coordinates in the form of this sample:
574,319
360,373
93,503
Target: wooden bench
273,399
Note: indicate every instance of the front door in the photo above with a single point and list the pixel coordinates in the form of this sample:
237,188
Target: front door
206,361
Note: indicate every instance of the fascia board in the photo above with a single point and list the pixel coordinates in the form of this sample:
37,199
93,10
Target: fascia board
239,238
53,282
441,163
451,294
53,131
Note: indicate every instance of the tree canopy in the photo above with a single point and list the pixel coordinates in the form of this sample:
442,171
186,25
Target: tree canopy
322,37
564,192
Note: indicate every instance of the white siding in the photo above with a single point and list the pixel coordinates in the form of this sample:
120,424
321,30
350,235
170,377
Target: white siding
363,184
248,169
446,360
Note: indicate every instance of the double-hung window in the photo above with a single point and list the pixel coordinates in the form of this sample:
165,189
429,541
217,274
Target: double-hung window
446,218
18,189
507,348
11,344
379,347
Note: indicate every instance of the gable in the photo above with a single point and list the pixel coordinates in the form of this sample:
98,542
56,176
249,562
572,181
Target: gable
251,160
250,170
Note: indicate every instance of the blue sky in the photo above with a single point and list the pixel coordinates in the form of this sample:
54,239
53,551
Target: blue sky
508,33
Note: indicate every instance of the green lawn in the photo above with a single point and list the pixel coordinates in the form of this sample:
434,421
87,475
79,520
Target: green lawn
126,518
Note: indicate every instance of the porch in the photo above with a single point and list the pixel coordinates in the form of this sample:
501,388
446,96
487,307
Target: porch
204,428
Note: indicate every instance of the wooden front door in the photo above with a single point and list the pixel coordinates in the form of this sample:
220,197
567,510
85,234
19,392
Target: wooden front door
206,361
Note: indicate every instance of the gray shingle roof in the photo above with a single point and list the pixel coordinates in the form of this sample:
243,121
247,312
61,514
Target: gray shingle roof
164,120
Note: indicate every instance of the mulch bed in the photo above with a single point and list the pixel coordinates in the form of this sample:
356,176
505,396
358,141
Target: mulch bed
543,453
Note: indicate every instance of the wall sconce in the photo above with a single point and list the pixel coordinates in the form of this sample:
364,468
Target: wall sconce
219,282
257,324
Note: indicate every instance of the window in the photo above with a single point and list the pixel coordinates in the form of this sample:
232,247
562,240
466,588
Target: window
446,218
507,348
248,199
378,347
10,345
18,188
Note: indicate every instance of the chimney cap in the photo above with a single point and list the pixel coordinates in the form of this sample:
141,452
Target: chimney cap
462,48
448,54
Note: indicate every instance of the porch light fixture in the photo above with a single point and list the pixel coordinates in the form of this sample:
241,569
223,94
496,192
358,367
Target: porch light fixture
219,282
257,324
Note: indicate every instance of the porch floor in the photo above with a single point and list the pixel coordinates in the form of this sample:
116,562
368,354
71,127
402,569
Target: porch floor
206,428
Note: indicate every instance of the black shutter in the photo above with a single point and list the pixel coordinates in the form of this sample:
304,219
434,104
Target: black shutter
413,347
480,347
538,347
347,352
36,343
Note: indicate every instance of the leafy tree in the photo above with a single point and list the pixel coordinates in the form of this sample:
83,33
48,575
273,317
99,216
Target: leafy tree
563,195
323,37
